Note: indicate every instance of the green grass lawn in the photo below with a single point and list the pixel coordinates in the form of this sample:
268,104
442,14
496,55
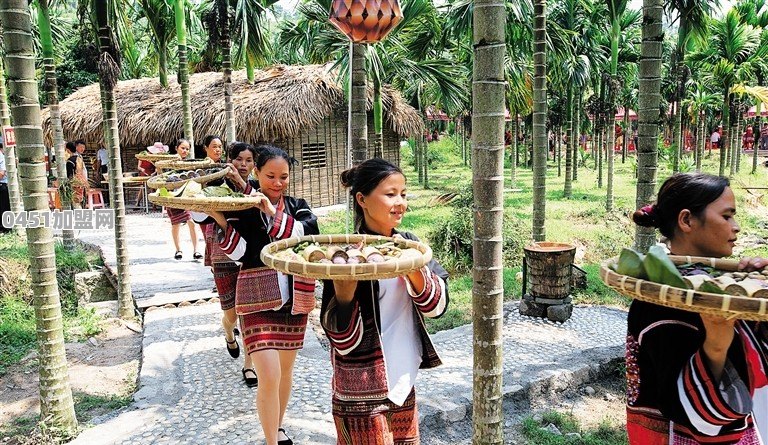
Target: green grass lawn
581,219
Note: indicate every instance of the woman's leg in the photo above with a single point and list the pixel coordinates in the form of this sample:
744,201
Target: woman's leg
287,359
175,235
192,234
267,364
228,321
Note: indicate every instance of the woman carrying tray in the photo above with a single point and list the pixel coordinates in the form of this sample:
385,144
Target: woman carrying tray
376,328
273,306
695,378
225,271
180,217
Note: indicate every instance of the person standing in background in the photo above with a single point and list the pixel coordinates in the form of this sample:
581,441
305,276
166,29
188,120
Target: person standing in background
5,200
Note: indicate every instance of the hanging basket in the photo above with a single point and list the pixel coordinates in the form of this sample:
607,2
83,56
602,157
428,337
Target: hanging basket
728,306
365,21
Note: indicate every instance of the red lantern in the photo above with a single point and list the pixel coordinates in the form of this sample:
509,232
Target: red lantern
365,21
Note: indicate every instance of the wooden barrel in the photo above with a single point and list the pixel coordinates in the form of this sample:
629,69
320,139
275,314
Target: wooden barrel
549,269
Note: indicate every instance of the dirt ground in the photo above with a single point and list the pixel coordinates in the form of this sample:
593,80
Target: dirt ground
103,368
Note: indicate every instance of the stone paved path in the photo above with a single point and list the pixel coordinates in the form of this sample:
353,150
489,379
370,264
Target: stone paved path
190,390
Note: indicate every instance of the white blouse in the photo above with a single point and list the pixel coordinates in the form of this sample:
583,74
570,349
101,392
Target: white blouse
399,338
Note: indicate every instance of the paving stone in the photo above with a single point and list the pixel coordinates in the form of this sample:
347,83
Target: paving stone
191,391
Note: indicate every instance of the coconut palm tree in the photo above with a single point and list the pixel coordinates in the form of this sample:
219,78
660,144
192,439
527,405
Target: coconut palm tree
217,23
488,88
102,15
56,405
52,95
621,20
692,18
648,120
729,56
539,117
159,15
249,29
179,12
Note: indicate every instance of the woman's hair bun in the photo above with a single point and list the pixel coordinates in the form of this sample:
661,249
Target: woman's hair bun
348,177
645,216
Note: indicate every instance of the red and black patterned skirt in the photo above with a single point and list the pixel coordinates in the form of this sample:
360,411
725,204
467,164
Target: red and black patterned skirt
177,216
273,329
376,422
225,277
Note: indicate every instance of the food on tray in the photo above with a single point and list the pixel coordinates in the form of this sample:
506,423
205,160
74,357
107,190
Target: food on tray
194,190
183,175
657,267
346,254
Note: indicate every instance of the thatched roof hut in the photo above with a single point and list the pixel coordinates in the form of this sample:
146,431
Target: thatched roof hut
281,103
299,108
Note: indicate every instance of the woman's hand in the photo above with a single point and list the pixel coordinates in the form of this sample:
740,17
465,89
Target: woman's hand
235,177
749,264
265,205
719,336
345,291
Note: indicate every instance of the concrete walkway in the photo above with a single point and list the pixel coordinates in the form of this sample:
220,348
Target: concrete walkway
190,390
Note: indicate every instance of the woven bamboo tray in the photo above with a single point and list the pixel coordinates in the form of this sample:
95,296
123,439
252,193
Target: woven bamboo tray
184,164
203,204
728,306
159,181
154,157
364,271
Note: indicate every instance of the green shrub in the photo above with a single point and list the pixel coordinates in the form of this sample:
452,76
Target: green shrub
452,238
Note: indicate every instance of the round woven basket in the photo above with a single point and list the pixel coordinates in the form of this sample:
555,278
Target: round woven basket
203,204
152,157
183,164
728,306
159,181
363,271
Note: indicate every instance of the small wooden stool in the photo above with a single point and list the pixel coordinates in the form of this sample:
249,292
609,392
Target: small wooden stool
95,199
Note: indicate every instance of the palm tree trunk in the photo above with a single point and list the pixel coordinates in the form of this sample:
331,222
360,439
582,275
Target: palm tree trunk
56,405
627,134
425,163
609,155
569,125
488,84
358,122
577,126
726,124
539,118
186,102
378,119
250,67
230,132
676,136
52,95
14,186
737,146
558,147
514,155
756,143
599,151
162,56
699,142
649,99
108,75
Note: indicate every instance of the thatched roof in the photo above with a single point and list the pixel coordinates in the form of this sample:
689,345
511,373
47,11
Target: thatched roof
282,102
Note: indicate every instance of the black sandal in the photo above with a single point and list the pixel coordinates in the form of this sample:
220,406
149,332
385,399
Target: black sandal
233,352
250,382
197,255
287,441
178,255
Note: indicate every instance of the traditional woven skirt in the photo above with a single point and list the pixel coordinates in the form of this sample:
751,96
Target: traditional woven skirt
177,216
273,329
225,277
376,422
